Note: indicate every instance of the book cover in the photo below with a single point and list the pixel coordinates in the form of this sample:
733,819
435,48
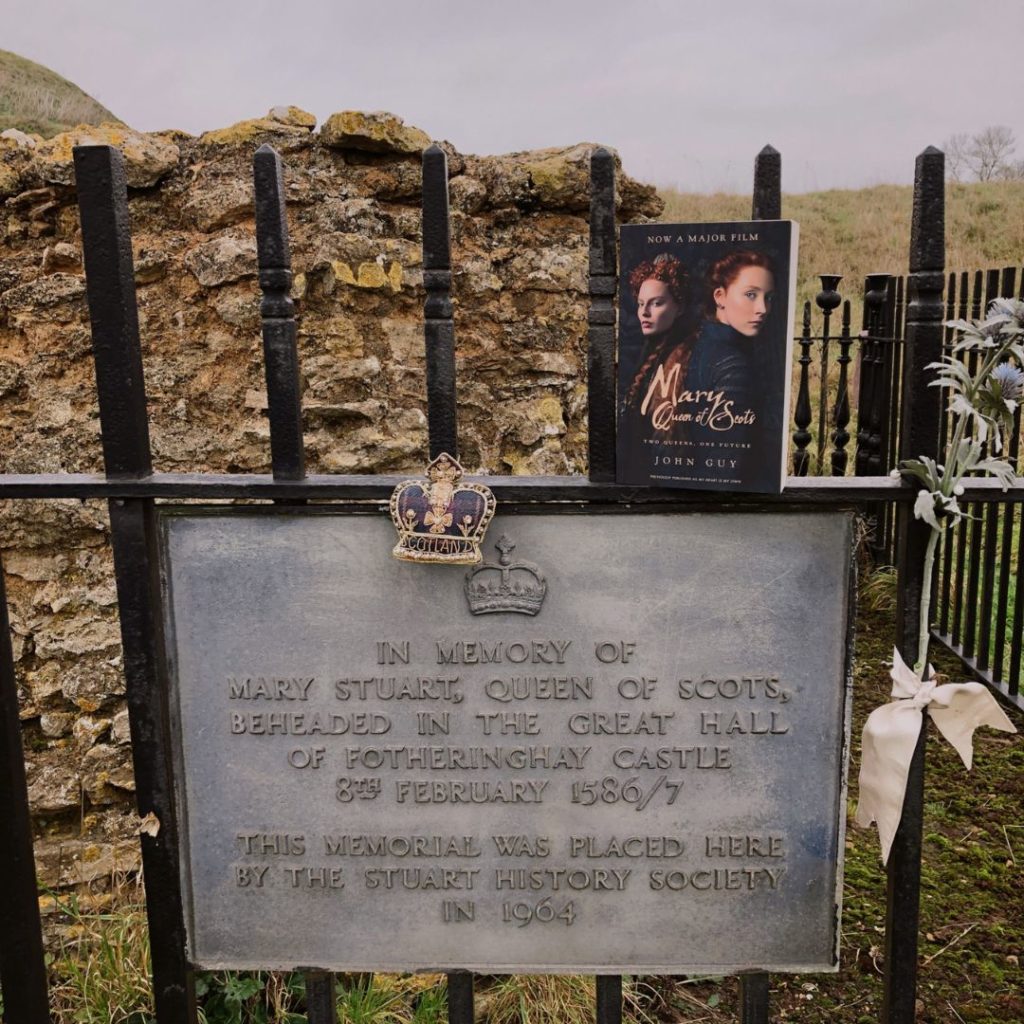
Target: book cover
704,355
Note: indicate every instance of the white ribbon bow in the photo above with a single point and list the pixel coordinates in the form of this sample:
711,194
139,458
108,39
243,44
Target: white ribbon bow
890,736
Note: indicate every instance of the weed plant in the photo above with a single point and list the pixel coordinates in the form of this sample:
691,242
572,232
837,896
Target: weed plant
100,966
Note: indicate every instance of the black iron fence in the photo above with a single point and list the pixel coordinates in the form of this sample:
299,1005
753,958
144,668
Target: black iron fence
132,488
979,590
978,593
847,379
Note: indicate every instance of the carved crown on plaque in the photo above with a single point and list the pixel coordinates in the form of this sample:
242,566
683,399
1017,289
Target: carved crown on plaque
441,519
506,587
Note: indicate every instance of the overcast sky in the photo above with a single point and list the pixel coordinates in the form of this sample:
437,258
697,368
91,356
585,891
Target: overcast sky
687,91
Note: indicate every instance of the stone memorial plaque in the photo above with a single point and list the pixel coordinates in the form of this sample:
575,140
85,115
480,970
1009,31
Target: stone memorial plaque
619,746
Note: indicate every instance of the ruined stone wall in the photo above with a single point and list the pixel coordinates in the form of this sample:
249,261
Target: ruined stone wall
519,244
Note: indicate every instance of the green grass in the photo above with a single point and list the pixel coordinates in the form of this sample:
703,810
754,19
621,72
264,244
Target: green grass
855,232
35,99
101,966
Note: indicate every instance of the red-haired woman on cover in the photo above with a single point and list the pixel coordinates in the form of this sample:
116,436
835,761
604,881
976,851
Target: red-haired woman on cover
659,288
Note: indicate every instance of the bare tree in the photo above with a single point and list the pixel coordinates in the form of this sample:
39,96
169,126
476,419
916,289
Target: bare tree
955,148
1012,170
990,149
984,156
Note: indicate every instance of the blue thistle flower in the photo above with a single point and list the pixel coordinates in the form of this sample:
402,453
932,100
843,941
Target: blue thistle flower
1008,382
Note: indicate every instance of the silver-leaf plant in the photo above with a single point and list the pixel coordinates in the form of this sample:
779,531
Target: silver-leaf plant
981,406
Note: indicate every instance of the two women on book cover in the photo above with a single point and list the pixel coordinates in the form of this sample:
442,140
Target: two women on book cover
704,354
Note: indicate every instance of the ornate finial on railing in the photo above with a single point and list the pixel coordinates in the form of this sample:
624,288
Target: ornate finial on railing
767,185
827,300
274,259
280,352
601,318
438,326
841,436
802,415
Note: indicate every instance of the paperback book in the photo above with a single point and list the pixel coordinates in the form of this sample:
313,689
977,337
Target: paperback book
705,350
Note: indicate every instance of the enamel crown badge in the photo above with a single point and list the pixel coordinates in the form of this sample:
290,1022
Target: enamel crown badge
440,519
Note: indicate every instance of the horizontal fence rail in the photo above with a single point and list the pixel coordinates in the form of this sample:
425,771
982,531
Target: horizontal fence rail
846,491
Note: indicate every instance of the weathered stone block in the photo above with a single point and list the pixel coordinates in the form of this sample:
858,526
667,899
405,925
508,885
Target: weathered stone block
228,257
377,132
148,158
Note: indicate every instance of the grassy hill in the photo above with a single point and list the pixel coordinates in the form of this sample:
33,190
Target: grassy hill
36,99
854,232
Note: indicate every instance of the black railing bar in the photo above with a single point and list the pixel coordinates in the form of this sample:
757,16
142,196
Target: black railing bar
608,1001
284,402
102,192
277,316
845,490
22,963
988,587
460,997
999,688
602,285
321,997
1017,628
438,325
754,998
920,414
1006,514
117,351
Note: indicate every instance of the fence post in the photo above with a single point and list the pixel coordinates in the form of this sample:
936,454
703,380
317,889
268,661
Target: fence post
442,417
460,997
284,404
609,999
920,436
876,287
110,287
438,325
601,319
22,967
277,311
767,203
